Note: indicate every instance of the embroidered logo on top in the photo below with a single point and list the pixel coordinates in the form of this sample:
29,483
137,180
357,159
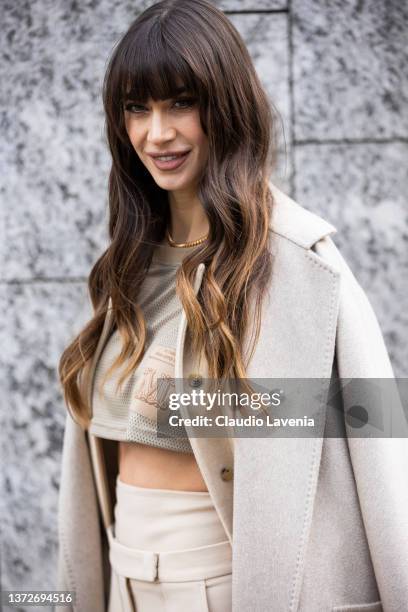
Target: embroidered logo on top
158,363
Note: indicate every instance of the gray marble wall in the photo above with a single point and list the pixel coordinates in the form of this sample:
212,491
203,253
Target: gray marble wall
337,71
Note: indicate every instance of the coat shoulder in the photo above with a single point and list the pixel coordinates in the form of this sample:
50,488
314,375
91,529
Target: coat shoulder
295,223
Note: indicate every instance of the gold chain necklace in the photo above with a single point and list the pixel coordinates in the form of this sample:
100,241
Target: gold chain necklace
185,244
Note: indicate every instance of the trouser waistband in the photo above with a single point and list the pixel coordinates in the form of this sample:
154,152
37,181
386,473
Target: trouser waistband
173,566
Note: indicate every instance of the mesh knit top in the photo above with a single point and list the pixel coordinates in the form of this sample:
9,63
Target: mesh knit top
131,413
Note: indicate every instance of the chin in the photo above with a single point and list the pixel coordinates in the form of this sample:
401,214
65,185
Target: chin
173,183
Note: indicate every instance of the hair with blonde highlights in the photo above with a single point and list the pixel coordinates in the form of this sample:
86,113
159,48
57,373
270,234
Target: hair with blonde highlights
193,42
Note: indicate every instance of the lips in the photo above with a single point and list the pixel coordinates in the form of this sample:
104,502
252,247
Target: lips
172,164
168,153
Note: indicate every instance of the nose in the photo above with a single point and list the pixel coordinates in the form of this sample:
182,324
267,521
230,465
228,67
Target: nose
160,129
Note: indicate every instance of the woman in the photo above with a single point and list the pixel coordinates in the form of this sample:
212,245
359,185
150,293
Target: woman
211,271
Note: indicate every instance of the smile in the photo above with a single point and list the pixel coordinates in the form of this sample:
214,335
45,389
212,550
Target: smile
170,162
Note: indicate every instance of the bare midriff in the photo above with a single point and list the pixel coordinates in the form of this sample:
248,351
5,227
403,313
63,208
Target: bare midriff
142,465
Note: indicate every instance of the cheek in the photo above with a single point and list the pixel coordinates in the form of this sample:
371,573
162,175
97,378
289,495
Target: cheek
203,145
132,133
193,129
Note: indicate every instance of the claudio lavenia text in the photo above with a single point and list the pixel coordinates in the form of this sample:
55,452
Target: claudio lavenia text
248,421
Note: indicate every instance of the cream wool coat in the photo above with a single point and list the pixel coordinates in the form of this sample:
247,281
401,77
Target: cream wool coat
317,524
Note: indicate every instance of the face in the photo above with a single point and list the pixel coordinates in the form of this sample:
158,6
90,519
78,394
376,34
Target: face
159,127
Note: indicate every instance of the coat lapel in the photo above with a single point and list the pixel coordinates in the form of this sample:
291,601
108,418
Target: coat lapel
275,477
267,510
212,454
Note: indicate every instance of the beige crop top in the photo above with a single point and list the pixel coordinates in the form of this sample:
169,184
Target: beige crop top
131,414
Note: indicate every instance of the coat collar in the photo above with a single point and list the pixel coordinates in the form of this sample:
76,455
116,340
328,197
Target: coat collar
295,223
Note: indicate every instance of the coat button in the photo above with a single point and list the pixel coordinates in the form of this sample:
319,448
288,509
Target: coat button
227,473
195,380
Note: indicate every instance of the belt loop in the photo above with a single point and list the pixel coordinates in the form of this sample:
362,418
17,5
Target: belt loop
156,559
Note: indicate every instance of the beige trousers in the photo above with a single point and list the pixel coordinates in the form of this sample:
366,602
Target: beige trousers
168,552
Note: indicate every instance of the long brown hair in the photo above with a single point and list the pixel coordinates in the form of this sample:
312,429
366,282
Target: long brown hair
193,42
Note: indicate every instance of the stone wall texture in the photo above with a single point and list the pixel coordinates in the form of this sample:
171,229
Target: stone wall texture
336,71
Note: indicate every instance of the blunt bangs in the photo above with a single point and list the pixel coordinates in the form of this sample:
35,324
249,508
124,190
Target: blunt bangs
149,66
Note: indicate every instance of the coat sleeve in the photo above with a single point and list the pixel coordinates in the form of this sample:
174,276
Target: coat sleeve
63,583
380,464
80,557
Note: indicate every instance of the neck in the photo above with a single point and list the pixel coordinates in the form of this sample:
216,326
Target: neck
188,219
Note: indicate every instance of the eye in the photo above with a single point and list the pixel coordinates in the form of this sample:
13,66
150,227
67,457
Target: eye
131,107
187,101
